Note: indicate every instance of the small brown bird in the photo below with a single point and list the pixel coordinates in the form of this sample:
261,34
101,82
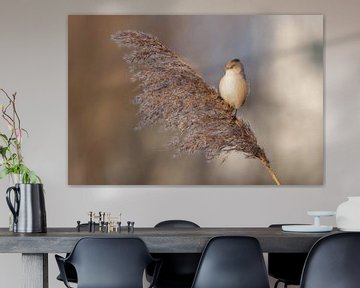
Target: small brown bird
233,86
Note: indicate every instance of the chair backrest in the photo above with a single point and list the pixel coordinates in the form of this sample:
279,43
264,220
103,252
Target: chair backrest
286,267
110,262
232,262
333,262
178,269
176,224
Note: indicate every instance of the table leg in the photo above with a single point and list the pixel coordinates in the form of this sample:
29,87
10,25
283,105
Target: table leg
35,270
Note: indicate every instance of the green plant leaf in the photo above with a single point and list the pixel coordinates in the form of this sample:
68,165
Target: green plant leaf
27,175
26,132
4,173
3,151
4,137
33,178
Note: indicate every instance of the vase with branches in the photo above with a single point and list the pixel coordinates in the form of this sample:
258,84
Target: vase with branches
11,158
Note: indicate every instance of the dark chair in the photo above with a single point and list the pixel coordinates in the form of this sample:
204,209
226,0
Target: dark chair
232,262
69,269
286,267
176,224
108,262
178,269
70,273
333,262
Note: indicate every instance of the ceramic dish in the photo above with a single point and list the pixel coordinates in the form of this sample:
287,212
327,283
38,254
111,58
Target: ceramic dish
306,228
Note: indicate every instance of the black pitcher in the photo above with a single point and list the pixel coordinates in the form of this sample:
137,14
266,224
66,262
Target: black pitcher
28,207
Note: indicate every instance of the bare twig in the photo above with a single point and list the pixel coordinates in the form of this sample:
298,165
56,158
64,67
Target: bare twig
14,123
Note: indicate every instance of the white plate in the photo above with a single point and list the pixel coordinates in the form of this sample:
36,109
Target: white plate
321,213
350,229
306,228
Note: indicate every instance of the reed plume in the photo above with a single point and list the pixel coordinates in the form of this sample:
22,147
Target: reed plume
176,97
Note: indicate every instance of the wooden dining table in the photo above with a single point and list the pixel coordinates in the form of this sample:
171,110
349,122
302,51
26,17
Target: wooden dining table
35,247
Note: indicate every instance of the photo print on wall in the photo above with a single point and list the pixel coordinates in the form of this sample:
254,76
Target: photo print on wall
195,100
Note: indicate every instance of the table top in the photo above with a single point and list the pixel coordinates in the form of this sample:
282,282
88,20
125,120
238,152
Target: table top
158,240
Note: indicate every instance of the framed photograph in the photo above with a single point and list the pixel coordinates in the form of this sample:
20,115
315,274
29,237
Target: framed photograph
195,100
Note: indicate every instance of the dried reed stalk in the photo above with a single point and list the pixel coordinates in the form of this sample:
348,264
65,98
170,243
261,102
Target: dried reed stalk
177,97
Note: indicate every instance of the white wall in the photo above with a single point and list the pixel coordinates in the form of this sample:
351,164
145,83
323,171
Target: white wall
33,62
